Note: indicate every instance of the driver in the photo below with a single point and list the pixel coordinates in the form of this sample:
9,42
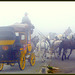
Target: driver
25,19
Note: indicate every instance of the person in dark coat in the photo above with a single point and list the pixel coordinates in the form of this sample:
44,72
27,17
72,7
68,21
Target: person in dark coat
26,20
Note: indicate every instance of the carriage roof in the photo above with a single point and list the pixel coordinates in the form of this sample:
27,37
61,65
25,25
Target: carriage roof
17,28
6,28
22,27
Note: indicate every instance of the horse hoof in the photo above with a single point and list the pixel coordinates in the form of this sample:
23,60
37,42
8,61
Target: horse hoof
62,59
58,56
68,58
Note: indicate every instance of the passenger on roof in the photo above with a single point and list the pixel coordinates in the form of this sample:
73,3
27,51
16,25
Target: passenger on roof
26,20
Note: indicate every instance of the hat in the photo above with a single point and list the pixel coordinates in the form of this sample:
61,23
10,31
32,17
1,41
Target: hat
26,13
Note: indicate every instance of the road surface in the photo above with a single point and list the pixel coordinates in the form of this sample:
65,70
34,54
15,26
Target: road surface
65,67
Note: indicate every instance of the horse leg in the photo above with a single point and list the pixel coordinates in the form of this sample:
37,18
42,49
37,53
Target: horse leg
64,55
56,54
59,51
65,51
69,54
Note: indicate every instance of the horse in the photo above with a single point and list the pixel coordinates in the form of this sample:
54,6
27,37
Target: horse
65,45
55,47
43,47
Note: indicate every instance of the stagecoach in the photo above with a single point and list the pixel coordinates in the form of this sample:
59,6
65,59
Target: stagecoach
15,45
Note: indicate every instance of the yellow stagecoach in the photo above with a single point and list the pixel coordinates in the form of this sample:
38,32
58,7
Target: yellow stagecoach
15,45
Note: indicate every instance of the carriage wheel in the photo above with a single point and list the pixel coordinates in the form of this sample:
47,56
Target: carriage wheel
12,64
1,66
32,59
22,63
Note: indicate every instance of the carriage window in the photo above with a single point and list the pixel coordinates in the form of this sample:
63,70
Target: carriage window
22,37
17,34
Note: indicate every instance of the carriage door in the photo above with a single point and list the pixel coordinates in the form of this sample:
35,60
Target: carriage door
29,41
23,42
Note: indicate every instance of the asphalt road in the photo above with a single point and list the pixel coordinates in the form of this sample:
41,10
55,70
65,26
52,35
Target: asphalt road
65,67
7,69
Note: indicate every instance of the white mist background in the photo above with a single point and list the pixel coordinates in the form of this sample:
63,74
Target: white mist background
46,16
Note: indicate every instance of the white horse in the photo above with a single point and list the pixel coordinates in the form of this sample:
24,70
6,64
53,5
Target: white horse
43,49
55,47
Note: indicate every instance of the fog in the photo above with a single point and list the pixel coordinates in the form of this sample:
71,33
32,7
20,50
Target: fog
46,16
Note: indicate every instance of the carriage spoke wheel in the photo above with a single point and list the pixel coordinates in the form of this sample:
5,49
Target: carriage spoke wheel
22,63
32,59
1,66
